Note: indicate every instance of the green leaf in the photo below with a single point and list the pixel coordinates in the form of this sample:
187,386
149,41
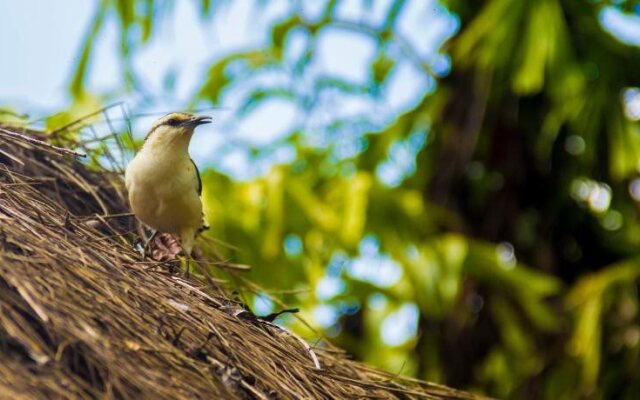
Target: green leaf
529,287
319,213
76,87
217,78
274,214
381,67
279,33
355,208
586,340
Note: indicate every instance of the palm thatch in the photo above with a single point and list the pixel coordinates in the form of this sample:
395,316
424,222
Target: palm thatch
83,315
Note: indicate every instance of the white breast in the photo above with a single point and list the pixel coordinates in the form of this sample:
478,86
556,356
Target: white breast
163,191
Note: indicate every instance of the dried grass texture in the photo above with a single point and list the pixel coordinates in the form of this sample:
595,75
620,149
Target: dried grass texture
83,316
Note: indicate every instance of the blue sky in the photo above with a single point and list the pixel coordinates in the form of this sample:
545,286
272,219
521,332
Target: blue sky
44,40
40,42
36,61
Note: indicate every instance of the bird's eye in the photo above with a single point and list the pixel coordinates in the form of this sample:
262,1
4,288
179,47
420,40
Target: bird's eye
173,122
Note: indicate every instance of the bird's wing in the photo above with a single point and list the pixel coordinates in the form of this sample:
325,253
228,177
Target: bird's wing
199,188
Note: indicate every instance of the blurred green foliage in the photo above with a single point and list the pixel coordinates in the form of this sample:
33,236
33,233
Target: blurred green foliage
513,241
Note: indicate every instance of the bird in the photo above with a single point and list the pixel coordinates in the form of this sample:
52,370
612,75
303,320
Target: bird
163,183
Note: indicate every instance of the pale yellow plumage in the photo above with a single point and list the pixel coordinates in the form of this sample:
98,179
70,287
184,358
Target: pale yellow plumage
163,182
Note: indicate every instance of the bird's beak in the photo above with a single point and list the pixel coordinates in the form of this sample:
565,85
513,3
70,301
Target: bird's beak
198,120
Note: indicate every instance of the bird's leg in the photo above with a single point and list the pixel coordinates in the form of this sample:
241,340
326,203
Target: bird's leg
187,238
187,267
147,244
185,264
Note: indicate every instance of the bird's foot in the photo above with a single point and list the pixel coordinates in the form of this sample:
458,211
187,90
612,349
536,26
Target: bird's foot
164,248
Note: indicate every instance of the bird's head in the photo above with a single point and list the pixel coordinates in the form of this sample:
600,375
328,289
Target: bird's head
174,130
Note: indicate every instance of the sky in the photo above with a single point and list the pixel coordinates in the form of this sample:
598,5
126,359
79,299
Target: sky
36,61
44,42
41,42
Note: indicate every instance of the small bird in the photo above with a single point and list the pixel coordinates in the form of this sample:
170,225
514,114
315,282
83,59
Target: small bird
163,181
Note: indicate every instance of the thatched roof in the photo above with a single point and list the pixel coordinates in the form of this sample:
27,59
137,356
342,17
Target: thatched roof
83,315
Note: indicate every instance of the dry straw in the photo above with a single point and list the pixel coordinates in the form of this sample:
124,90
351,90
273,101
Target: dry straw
82,315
